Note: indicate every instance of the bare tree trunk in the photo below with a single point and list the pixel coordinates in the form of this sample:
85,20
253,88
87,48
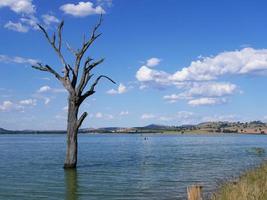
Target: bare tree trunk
72,131
74,85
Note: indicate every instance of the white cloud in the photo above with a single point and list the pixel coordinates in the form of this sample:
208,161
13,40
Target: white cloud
206,101
7,106
19,6
152,62
105,3
82,9
124,113
244,61
196,83
216,118
28,102
203,89
212,89
100,115
146,75
17,59
65,108
148,116
180,117
47,88
49,19
47,100
121,89
175,97
31,21
19,27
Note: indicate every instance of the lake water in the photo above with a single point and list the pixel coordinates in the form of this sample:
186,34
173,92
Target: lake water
122,166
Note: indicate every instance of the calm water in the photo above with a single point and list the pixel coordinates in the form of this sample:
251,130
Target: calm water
122,166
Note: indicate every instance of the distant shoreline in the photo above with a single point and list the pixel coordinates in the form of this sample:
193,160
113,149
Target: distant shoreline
253,182
120,133
254,127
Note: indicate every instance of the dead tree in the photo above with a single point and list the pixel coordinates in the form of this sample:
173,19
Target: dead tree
75,80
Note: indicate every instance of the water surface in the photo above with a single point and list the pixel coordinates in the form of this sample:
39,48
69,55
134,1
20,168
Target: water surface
122,166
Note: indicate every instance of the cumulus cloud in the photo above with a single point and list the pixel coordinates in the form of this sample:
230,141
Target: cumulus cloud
121,89
19,6
18,27
152,62
206,101
148,116
104,3
124,113
216,118
212,89
198,84
175,97
65,108
7,106
180,117
47,100
17,59
147,75
30,21
82,9
100,115
28,102
50,19
47,88
244,61
208,90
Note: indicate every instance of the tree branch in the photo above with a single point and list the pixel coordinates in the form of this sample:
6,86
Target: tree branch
47,68
52,41
86,74
81,119
85,46
60,35
92,88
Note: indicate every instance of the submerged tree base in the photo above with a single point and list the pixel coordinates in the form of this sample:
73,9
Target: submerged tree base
69,166
251,185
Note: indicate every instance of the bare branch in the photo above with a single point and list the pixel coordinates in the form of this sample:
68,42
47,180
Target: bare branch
53,40
71,49
85,46
60,35
48,69
92,88
86,74
81,119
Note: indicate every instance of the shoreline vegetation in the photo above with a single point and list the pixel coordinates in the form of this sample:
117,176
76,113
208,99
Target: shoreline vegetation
254,127
249,186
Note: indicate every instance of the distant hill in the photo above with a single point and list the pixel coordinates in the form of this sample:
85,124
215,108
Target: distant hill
155,126
4,130
255,127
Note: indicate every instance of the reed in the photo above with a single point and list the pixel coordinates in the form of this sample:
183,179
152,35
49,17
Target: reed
252,185
194,192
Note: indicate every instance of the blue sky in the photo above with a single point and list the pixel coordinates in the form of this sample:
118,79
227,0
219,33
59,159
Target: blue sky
175,62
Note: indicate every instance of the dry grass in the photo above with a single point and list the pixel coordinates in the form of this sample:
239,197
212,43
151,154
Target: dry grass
194,192
250,186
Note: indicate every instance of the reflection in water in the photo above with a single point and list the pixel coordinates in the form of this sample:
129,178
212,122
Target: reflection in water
71,184
113,167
